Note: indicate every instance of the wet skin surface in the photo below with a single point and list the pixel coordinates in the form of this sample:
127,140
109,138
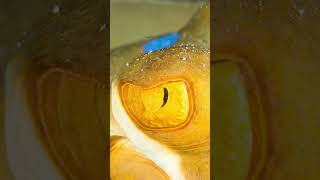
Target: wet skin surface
188,60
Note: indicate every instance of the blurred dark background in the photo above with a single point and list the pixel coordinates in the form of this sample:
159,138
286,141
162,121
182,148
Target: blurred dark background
19,19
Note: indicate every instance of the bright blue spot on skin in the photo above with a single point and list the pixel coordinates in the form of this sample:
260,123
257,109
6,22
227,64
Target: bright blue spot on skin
165,41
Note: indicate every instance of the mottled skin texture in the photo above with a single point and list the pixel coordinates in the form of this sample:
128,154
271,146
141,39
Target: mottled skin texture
193,138
277,42
192,142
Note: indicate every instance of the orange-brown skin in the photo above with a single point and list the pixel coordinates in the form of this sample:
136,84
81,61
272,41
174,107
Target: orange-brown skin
192,141
128,164
189,63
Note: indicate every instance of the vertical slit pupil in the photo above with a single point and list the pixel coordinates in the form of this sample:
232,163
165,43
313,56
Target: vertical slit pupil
165,96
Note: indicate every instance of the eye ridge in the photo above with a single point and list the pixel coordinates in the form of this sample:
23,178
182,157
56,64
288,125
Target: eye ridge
165,96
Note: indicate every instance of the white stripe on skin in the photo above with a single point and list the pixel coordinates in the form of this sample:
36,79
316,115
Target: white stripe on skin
158,153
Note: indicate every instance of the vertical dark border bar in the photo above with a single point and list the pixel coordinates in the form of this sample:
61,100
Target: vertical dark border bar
107,125
212,19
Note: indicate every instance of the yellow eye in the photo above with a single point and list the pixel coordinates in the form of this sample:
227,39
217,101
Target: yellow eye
166,105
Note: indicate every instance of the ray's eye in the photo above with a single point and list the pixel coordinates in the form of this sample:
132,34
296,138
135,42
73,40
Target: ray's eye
163,106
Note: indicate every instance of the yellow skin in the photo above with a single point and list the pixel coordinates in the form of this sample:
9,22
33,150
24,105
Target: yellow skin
188,141
128,164
137,79
270,51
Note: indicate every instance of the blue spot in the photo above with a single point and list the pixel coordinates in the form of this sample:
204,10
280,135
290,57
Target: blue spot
165,41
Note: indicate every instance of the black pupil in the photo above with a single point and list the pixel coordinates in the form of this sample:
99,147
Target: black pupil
165,96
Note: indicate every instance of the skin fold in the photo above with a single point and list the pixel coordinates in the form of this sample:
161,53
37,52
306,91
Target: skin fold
264,64
188,145
120,156
183,152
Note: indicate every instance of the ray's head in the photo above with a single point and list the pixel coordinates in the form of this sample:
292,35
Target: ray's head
165,96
